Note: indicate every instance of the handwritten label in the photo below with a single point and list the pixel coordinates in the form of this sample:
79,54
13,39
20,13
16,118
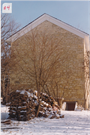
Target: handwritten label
7,8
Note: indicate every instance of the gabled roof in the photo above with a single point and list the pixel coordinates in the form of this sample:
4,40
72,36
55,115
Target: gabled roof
41,19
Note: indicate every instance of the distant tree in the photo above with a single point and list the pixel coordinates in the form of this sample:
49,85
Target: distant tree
8,27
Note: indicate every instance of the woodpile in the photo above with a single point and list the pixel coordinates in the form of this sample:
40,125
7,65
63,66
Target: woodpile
24,105
48,99
48,107
47,110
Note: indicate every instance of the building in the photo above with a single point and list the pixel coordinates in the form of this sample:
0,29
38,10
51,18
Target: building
72,71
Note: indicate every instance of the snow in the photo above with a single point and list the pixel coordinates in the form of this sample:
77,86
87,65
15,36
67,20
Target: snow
21,106
35,91
17,90
35,97
44,103
4,112
41,112
24,102
22,92
73,123
31,94
23,111
44,94
28,93
13,111
36,102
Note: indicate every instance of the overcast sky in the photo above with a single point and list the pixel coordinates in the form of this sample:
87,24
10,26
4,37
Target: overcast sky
75,13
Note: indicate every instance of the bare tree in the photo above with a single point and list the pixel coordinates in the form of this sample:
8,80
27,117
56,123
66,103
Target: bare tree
37,58
8,27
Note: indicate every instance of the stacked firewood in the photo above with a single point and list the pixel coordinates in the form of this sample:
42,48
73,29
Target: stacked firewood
23,105
48,107
48,99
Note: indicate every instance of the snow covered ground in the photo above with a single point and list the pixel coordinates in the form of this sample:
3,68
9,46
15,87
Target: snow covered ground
74,123
4,112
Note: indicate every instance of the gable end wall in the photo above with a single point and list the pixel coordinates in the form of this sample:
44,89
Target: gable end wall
72,83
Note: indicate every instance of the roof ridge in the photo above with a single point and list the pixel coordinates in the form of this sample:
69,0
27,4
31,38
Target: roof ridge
49,16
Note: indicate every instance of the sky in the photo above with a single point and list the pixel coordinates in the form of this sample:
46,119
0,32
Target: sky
75,13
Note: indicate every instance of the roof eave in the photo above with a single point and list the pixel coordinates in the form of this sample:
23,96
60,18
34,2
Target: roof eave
41,19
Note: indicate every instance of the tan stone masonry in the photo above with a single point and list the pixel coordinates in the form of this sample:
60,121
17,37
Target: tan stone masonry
72,80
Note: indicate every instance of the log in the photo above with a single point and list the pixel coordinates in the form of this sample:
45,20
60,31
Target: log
8,121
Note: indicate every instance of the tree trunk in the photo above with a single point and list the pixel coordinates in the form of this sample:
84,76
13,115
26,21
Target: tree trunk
38,109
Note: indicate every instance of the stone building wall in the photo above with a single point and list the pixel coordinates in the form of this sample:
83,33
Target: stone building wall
87,81
71,47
